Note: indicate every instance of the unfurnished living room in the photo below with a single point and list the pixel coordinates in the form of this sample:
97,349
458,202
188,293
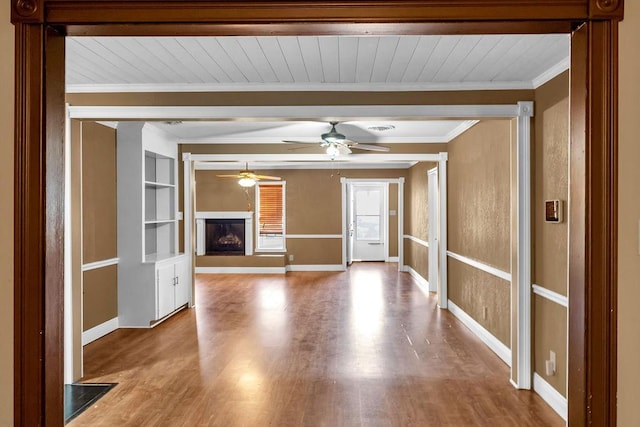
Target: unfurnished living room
262,223
350,228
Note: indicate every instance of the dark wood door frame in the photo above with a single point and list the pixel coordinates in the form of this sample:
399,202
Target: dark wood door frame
39,159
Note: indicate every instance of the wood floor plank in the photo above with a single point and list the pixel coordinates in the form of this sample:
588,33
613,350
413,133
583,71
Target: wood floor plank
363,347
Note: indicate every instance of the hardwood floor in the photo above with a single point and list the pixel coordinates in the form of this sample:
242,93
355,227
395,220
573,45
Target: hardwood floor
359,348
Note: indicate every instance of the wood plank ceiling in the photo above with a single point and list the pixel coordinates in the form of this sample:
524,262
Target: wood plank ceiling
325,62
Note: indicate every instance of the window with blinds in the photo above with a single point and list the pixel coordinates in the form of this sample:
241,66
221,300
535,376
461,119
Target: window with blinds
270,216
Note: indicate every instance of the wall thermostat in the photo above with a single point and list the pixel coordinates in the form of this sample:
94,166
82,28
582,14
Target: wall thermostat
553,211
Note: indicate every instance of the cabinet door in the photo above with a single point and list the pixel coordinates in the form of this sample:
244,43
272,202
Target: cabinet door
166,290
182,287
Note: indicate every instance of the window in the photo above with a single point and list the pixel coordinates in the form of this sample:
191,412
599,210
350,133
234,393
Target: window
270,221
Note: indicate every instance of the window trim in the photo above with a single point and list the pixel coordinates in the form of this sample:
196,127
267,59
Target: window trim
283,249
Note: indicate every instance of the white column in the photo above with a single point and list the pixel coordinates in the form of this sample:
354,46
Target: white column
401,224
523,236
188,221
443,296
343,185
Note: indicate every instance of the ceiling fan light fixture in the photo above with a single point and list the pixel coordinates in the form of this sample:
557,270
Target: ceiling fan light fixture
246,182
332,151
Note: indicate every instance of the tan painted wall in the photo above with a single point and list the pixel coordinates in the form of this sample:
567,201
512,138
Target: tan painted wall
302,98
550,147
472,290
550,333
479,194
479,222
551,144
100,296
99,223
76,245
313,205
6,212
416,221
629,217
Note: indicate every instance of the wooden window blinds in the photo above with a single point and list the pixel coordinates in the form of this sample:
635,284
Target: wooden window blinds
271,209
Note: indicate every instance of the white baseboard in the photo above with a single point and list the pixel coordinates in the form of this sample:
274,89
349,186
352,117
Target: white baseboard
315,267
241,270
422,283
487,337
550,395
394,259
100,330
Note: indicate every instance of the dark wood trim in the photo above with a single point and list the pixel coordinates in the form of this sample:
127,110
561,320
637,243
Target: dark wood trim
593,226
54,224
329,28
39,156
29,283
606,9
27,11
308,11
577,391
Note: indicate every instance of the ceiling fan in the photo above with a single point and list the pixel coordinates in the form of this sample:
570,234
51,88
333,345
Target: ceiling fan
336,143
248,178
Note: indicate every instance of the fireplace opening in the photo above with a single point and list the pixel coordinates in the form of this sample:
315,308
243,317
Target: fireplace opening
224,237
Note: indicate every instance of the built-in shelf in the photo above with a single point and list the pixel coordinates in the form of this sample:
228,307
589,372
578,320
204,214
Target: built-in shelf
153,258
160,221
151,273
152,184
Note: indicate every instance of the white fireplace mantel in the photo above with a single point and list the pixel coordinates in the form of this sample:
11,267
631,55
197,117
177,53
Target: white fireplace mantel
200,228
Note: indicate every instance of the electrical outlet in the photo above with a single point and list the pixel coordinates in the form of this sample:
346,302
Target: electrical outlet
485,312
550,365
290,257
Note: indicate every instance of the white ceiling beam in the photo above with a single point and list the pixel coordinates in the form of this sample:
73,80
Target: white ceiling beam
300,112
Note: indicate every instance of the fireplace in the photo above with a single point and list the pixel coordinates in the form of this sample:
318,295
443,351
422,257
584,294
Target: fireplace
224,236
224,233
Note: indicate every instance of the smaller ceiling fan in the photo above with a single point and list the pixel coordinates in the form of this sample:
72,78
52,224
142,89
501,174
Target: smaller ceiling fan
247,178
336,143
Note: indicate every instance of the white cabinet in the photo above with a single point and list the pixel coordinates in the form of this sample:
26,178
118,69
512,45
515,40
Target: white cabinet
172,289
151,272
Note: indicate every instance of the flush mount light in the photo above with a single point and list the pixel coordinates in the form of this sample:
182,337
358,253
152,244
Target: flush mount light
246,182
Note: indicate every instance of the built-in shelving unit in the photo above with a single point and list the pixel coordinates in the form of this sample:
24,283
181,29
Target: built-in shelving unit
151,276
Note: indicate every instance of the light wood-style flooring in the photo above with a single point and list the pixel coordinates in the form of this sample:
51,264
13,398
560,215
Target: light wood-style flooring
359,348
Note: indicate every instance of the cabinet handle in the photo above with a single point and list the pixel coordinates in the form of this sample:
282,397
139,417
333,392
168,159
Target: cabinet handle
177,279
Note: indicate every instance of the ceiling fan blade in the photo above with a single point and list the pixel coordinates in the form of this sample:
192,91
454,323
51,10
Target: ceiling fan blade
229,176
343,149
273,178
370,147
306,147
301,142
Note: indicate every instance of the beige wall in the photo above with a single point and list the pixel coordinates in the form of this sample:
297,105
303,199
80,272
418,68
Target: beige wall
313,205
303,98
479,177
416,220
99,223
629,216
6,212
479,194
550,148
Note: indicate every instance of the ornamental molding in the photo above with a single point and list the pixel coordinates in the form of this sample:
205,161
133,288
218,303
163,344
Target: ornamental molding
606,9
27,11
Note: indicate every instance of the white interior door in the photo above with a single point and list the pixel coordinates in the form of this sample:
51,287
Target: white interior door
434,220
369,223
